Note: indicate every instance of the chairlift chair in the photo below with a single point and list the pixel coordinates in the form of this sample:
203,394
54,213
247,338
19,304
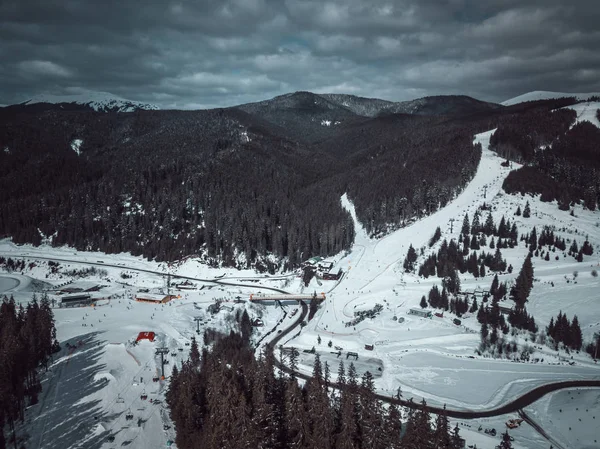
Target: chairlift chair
120,400
129,415
143,396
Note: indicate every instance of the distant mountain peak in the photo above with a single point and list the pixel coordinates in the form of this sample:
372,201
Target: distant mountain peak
98,101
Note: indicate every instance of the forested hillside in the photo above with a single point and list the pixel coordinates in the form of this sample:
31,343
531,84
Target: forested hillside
256,186
27,341
167,184
225,391
562,159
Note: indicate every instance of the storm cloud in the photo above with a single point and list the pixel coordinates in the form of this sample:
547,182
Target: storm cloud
199,54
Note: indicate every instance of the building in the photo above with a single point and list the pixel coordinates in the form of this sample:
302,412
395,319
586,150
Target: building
285,299
145,336
424,313
312,262
325,265
505,309
185,285
153,299
80,287
76,300
332,276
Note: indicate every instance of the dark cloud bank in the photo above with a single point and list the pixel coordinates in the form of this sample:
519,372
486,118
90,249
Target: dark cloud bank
197,54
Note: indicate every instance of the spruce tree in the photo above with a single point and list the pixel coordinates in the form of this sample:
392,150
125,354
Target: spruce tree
476,225
489,228
194,353
245,326
393,427
441,434
410,259
466,227
576,338
527,210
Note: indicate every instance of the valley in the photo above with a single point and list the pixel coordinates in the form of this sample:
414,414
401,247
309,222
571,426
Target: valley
110,375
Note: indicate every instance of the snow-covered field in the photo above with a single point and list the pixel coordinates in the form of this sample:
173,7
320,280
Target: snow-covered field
545,95
570,416
428,358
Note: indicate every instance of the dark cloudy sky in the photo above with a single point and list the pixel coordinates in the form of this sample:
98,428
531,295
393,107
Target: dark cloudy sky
196,54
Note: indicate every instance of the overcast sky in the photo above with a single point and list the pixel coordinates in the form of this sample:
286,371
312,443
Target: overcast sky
209,53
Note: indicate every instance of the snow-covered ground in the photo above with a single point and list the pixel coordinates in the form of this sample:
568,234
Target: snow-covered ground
587,111
546,95
429,358
570,416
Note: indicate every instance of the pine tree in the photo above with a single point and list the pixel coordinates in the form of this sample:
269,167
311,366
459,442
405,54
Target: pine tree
527,210
476,225
441,434
503,229
392,427
489,228
436,236
410,259
576,338
494,286
245,326
423,302
524,283
466,227
194,352
418,430
484,332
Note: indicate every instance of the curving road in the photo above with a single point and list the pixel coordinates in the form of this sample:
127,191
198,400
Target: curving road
158,273
511,407
514,406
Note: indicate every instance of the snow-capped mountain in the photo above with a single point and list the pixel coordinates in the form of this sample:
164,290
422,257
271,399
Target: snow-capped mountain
546,95
98,101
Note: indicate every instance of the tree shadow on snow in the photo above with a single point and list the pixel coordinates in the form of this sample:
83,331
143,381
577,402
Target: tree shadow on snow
63,417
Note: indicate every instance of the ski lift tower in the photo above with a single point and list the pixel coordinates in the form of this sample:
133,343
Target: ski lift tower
197,320
162,352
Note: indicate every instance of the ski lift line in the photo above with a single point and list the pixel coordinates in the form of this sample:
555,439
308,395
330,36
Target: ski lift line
123,390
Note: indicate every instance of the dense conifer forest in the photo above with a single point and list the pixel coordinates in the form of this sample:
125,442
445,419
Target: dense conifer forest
27,342
562,159
240,187
226,391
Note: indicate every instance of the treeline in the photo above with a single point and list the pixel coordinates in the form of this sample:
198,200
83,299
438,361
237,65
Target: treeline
450,258
567,171
473,236
566,332
226,398
167,184
409,167
27,341
518,137
547,242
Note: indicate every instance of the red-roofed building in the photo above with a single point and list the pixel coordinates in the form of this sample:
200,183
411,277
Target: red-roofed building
145,336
